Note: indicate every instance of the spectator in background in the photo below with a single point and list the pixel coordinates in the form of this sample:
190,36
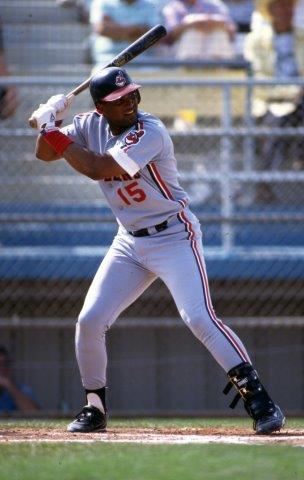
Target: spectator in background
8,95
298,17
298,25
241,11
199,29
273,50
82,5
117,23
12,395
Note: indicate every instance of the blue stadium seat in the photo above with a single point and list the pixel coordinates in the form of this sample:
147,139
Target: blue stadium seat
73,248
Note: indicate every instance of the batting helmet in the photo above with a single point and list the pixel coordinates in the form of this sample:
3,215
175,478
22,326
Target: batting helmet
110,84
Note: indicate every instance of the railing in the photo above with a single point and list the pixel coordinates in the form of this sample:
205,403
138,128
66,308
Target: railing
52,240
226,132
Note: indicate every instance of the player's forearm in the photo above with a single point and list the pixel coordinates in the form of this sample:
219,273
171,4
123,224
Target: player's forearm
176,32
53,144
217,22
131,32
22,401
44,151
119,32
203,22
90,164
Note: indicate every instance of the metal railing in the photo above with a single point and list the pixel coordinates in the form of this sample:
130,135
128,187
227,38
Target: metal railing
51,245
226,132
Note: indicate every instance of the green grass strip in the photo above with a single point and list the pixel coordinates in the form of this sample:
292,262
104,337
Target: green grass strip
149,423
149,462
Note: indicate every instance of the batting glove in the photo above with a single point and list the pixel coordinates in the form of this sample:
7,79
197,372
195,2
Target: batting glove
45,114
61,104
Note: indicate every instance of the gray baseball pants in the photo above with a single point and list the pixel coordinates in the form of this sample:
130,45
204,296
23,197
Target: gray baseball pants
175,255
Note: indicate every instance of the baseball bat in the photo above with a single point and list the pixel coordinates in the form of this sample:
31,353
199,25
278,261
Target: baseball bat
136,48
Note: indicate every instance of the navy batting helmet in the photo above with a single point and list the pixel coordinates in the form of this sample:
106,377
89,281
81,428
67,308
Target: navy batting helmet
110,84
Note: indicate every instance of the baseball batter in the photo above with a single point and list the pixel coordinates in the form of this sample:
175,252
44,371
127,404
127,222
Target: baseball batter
131,155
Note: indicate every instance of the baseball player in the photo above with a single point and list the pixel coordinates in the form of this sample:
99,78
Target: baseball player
130,153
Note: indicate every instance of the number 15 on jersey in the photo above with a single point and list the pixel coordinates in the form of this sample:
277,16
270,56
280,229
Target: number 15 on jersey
132,193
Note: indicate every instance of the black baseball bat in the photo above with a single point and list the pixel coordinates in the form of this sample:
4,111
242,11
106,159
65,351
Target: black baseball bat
136,48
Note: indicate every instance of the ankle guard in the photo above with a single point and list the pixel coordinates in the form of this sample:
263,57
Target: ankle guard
256,399
101,392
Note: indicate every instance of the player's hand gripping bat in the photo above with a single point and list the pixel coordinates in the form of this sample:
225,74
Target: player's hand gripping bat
136,48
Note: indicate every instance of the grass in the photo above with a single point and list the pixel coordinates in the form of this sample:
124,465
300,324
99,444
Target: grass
80,461
150,422
149,462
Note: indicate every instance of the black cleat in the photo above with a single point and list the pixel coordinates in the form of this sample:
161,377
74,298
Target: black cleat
90,419
271,422
267,417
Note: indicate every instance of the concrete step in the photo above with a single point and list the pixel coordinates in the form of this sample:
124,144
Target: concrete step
43,11
27,179
24,34
29,3
52,70
41,189
152,101
46,54
31,97
23,164
28,165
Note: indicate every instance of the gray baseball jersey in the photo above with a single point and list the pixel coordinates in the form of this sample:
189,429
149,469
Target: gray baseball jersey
147,195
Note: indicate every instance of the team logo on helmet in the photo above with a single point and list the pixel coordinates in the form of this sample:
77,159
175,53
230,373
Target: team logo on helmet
120,79
132,138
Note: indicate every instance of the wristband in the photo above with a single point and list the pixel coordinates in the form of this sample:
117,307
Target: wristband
57,140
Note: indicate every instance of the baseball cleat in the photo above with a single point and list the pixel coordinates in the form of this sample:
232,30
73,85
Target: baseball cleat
267,417
271,422
90,419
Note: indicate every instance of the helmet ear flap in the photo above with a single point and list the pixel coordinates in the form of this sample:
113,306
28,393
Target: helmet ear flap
138,96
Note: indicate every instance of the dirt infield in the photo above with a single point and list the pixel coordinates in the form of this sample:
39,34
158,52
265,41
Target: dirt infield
293,437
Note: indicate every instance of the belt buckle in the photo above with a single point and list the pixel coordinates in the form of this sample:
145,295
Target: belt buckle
161,226
143,232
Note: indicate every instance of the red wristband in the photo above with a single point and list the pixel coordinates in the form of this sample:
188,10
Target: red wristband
57,140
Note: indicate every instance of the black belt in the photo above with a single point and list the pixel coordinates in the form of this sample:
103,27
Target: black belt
144,232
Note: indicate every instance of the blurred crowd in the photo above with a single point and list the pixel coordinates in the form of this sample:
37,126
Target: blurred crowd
269,34
197,29
275,49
